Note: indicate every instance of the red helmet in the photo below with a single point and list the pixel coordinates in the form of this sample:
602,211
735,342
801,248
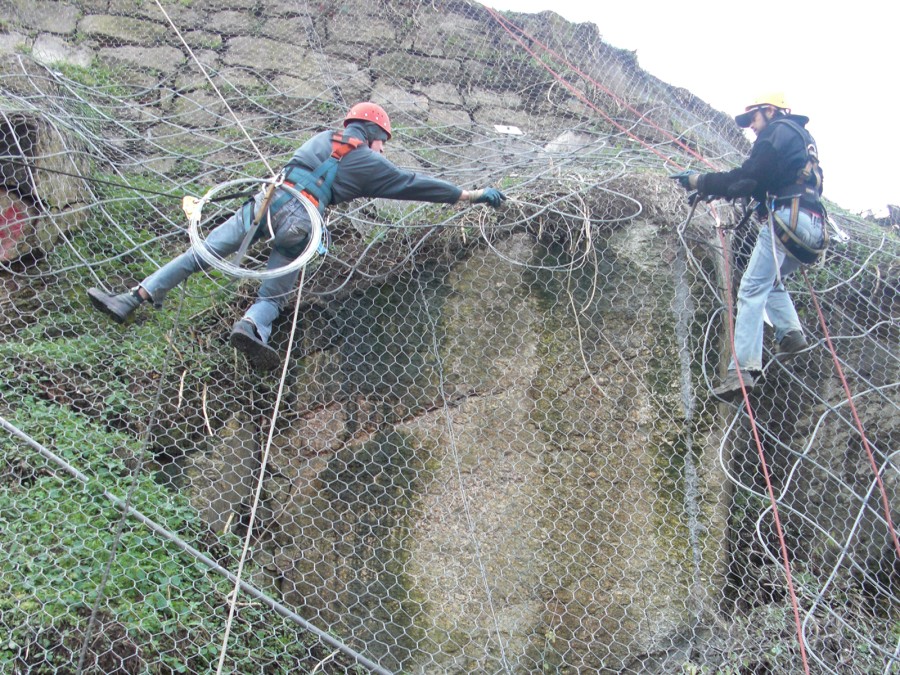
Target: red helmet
369,112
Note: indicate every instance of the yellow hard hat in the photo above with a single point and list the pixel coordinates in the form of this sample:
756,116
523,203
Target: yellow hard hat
775,99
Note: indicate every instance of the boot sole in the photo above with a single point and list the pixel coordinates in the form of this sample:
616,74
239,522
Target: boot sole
730,395
98,301
262,357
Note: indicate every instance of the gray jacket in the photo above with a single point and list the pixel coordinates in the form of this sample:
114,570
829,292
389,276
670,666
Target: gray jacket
364,173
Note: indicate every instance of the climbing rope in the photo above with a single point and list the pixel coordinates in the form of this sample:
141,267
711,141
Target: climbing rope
862,433
264,463
512,29
773,502
212,84
576,91
299,263
464,497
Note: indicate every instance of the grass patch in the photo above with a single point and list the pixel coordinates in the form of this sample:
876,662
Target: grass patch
160,607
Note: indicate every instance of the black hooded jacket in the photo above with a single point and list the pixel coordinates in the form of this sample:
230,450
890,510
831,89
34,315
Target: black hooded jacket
779,153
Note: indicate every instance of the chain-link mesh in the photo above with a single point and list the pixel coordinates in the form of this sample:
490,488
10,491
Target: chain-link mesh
493,448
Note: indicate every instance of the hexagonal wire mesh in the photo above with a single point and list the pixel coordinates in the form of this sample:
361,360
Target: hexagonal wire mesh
492,445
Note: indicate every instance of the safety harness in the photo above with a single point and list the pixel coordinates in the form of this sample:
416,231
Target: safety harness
803,193
316,185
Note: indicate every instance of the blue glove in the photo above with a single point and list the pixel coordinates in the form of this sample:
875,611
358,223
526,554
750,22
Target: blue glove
684,178
490,196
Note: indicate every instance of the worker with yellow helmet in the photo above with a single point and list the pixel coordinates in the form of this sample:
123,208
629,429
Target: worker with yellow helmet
783,177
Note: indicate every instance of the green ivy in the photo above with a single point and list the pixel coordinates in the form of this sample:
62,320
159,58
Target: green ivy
59,535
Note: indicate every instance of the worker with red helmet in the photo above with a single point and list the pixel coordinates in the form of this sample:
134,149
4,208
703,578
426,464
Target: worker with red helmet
329,168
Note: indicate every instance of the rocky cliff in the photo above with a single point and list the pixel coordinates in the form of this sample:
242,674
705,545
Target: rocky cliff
493,448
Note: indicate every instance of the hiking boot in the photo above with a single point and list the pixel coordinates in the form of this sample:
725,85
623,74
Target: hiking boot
245,339
118,307
731,386
792,343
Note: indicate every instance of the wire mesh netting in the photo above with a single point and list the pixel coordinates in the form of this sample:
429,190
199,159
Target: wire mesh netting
492,446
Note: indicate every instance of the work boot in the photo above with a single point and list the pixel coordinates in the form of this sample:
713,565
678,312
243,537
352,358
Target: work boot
118,307
792,342
731,386
245,339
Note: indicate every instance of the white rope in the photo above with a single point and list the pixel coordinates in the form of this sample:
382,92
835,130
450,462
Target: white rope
460,482
775,257
200,248
198,244
232,599
213,85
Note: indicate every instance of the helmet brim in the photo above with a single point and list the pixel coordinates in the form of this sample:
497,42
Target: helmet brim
744,119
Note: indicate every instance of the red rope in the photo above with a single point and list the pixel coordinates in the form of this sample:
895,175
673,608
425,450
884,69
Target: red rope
795,607
506,24
782,543
574,89
769,489
837,365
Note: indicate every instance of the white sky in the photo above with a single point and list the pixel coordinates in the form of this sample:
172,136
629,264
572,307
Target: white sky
836,62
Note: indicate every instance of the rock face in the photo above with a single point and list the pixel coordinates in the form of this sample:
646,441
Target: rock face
473,485
496,451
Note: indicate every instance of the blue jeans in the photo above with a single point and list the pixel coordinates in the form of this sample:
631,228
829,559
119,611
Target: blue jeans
761,290
291,226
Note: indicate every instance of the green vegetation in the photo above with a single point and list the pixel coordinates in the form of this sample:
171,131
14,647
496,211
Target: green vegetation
168,608
84,391
207,40
110,80
85,388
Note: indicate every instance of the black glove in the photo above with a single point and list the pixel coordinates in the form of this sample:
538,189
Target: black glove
490,196
684,178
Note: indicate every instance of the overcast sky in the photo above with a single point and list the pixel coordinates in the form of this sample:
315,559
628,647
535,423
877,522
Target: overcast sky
835,62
